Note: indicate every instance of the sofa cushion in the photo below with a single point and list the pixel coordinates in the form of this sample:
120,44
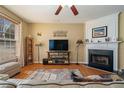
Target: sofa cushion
2,69
8,66
48,86
6,60
73,85
27,83
5,84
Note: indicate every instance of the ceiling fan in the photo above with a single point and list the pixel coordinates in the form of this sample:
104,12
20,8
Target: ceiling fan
73,9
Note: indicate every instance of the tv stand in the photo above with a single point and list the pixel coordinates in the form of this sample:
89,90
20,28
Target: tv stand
59,57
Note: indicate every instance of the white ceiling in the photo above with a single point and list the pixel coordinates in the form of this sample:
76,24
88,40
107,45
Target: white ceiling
45,13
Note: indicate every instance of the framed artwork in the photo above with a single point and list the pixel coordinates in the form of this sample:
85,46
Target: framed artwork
99,32
60,33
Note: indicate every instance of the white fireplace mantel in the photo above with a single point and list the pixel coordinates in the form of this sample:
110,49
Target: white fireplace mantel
104,42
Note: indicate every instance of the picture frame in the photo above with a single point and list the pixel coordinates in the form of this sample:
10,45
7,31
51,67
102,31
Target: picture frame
60,33
99,32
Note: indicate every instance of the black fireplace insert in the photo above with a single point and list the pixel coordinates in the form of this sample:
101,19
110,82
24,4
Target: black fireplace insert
102,59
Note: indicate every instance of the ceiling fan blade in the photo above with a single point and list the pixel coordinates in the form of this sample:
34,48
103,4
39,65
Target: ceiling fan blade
74,10
58,10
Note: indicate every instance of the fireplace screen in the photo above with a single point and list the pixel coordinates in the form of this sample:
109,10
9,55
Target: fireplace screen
100,59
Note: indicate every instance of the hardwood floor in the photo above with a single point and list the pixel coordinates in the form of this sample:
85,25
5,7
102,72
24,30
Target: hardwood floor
85,70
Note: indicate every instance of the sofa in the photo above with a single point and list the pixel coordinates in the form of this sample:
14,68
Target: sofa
10,67
27,83
112,80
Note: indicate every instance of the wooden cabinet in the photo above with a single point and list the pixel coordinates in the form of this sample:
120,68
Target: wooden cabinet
29,51
59,57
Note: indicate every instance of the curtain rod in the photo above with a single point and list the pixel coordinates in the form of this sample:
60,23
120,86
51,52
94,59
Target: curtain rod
9,18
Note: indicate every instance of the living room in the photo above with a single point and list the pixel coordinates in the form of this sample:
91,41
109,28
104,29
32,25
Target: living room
83,39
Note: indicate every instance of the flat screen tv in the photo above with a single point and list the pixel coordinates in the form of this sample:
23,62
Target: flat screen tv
58,45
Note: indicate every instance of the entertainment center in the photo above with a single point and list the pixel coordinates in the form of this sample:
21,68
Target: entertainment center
59,57
58,52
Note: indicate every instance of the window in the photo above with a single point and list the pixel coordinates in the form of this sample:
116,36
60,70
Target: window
7,39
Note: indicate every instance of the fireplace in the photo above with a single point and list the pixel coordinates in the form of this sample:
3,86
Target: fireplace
102,59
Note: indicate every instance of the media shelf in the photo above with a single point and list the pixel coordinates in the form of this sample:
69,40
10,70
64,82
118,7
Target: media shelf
58,57
29,51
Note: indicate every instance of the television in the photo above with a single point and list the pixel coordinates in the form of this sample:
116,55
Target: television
58,45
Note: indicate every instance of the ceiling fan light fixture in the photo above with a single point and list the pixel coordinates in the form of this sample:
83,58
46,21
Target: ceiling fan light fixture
58,10
72,7
74,10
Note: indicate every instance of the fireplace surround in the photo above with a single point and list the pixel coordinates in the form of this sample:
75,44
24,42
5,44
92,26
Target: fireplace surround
102,59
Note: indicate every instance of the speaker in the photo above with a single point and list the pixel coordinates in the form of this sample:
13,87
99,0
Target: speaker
45,61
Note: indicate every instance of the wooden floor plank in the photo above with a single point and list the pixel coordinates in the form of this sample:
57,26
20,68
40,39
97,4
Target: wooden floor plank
85,70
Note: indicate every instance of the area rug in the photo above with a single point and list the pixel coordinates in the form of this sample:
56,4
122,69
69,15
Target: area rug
53,74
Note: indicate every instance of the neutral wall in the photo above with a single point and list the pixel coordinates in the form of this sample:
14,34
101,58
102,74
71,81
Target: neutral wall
74,32
24,35
121,37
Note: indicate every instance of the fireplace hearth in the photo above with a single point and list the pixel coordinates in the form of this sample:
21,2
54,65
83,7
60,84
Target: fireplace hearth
102,59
